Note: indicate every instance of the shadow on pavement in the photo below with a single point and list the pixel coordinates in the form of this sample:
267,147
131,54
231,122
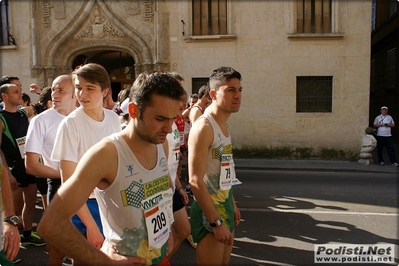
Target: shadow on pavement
268,237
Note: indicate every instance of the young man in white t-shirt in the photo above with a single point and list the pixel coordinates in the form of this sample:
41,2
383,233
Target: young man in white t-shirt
79,131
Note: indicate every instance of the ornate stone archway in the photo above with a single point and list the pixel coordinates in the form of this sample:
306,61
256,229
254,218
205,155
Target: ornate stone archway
92,29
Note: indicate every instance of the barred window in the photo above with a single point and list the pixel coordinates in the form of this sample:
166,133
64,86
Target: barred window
372,75
209,17
197,83
5,37
314,16
393,7
373,14
314,94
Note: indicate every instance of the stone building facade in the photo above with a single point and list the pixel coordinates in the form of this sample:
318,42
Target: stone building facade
305,63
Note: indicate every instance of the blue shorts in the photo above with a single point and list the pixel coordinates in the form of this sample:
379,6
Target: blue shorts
95,212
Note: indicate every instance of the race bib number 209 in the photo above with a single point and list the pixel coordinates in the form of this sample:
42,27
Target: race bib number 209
158,215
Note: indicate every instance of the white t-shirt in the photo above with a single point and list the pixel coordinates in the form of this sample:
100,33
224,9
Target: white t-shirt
384,131
41,135
78,132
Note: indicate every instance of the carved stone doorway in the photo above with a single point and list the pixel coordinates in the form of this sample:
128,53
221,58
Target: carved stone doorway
119,65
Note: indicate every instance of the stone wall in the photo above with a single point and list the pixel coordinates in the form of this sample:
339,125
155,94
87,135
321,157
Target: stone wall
269,59
261,44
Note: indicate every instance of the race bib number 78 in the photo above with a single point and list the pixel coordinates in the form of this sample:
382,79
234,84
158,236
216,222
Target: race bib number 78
227,173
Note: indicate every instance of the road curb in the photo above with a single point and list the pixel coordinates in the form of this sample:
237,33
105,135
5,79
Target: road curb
237,167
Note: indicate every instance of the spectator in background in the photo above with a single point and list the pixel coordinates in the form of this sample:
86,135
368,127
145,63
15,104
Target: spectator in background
193,100
123,99
384,123
44,102
110,104
26,100
203,101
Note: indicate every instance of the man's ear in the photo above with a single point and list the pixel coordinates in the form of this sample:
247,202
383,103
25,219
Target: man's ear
105,92
212,93
133,110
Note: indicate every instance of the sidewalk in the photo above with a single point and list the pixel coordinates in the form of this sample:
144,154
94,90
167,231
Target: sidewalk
312,165
319,165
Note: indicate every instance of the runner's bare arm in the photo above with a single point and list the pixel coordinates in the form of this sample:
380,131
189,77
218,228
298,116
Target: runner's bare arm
94,169
10,232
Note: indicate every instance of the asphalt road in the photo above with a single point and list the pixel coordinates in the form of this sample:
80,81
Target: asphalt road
285,214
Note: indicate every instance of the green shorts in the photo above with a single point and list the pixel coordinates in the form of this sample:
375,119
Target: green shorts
200,226
3,260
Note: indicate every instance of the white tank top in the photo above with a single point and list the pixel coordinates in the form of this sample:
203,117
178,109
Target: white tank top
120,204
221,145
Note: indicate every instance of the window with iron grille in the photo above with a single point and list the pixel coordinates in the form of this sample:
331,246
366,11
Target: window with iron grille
314,94
393,7
197,83
391,57
209,17
5,37
314,16
373,13
372,75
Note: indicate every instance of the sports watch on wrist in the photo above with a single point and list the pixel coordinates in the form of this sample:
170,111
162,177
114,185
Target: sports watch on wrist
218,222
14,220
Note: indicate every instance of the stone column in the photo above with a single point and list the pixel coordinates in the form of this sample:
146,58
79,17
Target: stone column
49,75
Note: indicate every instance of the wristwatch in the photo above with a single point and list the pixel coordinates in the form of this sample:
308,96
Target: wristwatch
218,222
14,220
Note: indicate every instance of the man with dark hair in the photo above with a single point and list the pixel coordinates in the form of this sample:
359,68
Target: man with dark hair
11,80
110,104
129,174
214,213
14,124
193,99
199,107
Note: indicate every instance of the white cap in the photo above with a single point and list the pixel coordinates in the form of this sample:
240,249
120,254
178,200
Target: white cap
124,106
384,107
